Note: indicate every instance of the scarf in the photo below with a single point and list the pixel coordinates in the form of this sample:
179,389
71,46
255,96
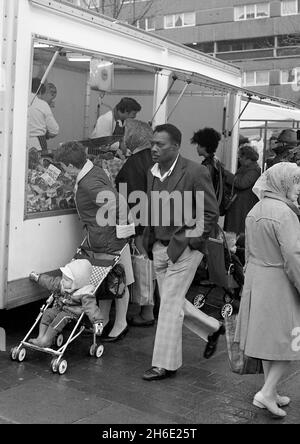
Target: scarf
276,183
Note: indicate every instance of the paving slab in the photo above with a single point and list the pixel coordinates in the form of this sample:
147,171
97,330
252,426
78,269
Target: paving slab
110,390
39,402
122,414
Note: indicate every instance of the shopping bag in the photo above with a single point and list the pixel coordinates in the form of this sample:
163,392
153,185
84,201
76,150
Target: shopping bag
239,362
220,273
142,290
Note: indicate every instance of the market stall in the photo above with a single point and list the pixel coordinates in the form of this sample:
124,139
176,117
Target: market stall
39,226
260,121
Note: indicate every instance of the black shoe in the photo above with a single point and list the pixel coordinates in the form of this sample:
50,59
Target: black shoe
134,323
212,343
155,373
106,330
115,338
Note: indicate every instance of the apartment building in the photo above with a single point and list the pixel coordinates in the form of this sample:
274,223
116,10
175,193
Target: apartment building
261,37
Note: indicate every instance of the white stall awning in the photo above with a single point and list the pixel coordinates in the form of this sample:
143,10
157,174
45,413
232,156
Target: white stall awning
256,114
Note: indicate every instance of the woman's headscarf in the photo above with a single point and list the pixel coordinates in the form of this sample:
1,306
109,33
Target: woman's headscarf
278,181
138,135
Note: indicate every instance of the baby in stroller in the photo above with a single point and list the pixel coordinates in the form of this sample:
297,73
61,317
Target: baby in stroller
224,272
73,295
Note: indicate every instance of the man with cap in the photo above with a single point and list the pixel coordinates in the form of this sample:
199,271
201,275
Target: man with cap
286,149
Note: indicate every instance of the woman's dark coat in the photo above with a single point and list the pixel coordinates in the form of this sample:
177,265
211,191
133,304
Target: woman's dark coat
244,179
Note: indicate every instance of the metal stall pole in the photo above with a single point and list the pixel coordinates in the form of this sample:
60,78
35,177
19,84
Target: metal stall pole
188,82
86,129
53,60
225,122
174,78
234,133
265,146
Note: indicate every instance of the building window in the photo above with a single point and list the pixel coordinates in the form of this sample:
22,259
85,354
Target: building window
289,7
289,40
290,76
147,24
245,45
256,78
180,20
249,12
207,47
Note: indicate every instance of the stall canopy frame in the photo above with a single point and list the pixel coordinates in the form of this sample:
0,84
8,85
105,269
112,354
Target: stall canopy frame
273,114
169,48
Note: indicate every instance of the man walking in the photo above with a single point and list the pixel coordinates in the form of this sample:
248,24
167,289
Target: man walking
176,251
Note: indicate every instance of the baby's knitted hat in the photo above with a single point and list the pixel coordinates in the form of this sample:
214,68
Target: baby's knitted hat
79,271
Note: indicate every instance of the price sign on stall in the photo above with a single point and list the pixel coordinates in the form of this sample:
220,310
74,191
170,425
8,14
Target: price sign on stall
51,175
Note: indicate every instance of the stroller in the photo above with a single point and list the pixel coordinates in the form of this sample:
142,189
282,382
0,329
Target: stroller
100,270
225,272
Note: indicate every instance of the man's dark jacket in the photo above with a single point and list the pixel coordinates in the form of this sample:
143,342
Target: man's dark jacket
193,177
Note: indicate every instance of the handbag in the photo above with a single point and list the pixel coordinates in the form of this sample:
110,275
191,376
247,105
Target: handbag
239,362
142,290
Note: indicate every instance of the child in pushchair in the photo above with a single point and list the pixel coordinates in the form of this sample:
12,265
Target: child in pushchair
74,295
224,270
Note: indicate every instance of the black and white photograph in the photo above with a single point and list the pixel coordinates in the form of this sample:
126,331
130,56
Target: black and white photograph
149,215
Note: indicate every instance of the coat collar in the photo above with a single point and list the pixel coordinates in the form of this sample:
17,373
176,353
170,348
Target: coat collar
82,173
175,176
293,207
156,171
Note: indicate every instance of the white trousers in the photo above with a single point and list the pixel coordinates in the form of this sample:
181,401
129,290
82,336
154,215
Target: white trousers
174,280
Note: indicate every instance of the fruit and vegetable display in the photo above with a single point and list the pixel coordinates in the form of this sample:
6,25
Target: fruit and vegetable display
49,187
50,184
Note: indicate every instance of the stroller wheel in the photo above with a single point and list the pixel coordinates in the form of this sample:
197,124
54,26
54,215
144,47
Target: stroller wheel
14,353
59,340
21,355
227,311
199,300
92,350
54,365
62,367
99,351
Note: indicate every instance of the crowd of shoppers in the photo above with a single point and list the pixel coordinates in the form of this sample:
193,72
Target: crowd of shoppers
261,209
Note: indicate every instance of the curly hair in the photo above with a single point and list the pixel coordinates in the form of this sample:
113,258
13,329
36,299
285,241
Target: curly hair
73,153
249,152
209,138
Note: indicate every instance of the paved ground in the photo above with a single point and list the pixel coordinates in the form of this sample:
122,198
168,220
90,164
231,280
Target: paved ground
110,390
